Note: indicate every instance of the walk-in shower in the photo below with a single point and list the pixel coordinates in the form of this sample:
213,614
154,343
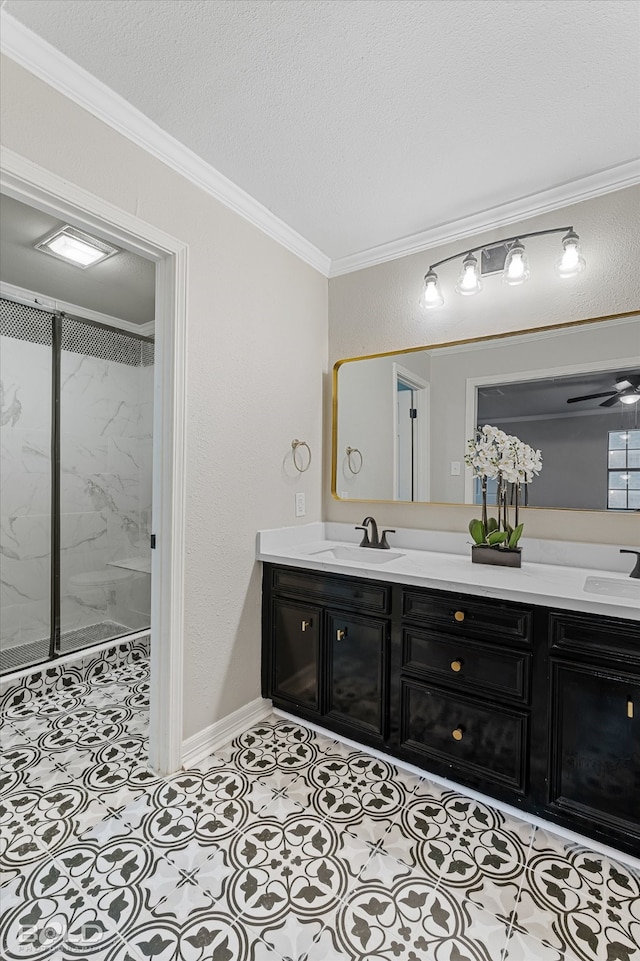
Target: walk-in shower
76,406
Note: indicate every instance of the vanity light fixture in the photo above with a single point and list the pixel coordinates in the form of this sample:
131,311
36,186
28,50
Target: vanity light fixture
507,257
75,247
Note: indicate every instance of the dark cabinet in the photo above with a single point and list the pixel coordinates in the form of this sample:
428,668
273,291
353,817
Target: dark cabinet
295,643
537,707
356,649
465,687
465,735
595,746
594,723
326,650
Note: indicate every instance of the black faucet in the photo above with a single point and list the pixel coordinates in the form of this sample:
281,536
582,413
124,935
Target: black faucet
636,570
373,541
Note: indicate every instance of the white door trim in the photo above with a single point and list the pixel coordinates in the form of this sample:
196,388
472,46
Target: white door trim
32,184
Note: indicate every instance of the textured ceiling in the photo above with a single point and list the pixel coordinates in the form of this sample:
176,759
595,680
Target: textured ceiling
122,287
358,122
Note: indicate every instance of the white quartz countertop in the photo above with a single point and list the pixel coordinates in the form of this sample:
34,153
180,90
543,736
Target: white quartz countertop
550,585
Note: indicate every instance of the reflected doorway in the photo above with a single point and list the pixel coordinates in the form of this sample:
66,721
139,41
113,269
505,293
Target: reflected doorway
411,436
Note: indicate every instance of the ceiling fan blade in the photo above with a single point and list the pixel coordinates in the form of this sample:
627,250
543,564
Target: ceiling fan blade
607,393
612,400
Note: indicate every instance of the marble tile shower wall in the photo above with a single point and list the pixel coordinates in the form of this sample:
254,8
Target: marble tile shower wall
25,504
105,457
105,480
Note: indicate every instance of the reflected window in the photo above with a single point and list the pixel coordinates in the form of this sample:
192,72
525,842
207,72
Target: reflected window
623,472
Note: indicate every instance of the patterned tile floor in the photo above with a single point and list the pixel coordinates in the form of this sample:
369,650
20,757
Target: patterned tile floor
284,846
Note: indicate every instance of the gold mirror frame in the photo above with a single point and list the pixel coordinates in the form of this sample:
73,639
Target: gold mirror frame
486,338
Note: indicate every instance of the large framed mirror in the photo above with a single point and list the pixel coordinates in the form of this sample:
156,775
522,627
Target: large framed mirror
401,420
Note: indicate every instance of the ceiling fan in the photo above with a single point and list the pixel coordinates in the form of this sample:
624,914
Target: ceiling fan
627,391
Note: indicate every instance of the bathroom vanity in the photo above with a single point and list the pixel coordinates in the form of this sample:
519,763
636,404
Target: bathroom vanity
522,690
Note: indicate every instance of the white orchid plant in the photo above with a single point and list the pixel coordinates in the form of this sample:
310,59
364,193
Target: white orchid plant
494,455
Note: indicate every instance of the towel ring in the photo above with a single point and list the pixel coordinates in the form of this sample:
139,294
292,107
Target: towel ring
350,451
295,444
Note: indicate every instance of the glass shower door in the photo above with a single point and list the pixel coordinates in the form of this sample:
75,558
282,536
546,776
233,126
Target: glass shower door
25,485
105,485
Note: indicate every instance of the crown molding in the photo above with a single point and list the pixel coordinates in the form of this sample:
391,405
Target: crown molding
32,299
56,69
595,185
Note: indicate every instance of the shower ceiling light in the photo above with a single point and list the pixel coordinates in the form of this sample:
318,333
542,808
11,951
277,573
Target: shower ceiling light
75,247
503,256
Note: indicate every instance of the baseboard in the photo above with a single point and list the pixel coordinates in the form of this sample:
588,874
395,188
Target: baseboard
205,742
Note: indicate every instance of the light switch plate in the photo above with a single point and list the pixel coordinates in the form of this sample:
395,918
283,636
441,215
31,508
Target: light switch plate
300,505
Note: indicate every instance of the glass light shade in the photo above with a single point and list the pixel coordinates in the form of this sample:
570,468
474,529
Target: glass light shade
75,250
75,247
632,397
469,279
572,262
516,266
431,295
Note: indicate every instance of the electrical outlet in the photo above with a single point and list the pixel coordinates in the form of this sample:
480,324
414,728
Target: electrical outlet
300,505
455,468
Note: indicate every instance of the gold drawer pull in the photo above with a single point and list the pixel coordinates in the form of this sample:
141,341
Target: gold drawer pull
456,666
459,616
629,708
457,734
340,635
305,625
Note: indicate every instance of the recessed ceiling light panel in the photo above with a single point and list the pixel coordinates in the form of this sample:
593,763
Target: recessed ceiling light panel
75,247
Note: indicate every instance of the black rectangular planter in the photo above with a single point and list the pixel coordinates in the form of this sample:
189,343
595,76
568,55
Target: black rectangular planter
499,556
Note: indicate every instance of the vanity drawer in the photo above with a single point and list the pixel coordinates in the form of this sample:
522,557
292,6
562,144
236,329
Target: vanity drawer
465,736
345,591
491,619
608,637
483,669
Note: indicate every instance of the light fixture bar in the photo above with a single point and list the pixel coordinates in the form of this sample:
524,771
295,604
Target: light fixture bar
507,240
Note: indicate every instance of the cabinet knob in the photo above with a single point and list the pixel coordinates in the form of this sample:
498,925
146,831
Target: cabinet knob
340,635
457,734
456,666
305,625
459,616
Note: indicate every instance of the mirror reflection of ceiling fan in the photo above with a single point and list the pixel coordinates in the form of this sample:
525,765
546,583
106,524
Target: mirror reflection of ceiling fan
626,390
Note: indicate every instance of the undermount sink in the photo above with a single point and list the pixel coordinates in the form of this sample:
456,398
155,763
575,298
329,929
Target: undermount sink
364,555
613,587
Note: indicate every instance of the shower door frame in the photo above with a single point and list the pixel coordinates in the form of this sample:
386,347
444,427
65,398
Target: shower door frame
39,188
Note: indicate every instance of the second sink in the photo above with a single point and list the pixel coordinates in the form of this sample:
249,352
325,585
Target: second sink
363,555
612,587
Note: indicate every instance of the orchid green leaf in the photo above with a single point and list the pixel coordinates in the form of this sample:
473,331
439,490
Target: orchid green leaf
476,529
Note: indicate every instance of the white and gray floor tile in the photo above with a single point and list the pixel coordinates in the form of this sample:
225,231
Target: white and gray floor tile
283,846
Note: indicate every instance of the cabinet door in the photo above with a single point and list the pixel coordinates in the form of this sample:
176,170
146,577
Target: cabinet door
356,681
595,746
295,646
